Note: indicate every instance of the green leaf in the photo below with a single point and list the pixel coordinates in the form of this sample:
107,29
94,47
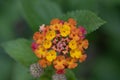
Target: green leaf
39,12
85,18
21,51
70,75
6,65
21,73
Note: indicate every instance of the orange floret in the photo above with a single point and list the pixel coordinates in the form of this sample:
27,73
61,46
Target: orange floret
44,63
72,21
71,63
83,58
85,44
59,63
36,36
55,21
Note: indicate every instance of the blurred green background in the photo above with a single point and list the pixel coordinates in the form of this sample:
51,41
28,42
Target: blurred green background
104,50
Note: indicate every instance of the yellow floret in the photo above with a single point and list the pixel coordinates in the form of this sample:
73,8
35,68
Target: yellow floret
51,55
72,44
65,30
50,35
75,53
47,44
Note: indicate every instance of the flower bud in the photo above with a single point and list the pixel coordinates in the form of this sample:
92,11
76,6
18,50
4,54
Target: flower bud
59,77
36,70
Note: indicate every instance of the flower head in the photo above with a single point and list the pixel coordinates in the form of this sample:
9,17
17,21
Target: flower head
61,44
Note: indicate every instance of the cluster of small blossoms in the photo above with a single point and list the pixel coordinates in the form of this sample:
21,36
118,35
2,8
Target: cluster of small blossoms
61,44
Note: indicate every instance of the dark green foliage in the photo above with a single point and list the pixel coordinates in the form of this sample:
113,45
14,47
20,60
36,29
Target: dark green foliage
39,12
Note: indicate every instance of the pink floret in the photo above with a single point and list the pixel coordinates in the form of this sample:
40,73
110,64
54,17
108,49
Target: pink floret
34,46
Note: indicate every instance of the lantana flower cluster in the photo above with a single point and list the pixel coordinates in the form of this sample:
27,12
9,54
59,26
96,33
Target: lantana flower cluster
61,44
